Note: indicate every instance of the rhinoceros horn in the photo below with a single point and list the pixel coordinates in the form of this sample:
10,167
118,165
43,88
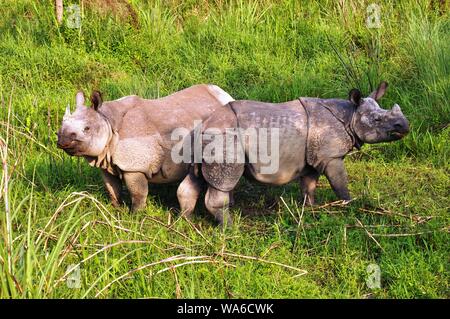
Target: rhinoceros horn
396,109
67,113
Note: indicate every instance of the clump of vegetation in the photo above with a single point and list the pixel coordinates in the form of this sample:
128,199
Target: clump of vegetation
60,237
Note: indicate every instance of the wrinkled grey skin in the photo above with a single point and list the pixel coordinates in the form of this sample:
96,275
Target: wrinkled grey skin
336,126
129,139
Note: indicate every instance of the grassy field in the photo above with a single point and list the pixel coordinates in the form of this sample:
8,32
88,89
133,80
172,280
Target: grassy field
61,238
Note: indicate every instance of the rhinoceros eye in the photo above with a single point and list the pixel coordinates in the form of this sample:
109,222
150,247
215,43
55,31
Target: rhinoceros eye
86,129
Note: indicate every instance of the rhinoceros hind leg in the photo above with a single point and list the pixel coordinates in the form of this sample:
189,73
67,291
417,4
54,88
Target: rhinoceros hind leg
308,185
337,176
113,186
217,203
137,185
188,193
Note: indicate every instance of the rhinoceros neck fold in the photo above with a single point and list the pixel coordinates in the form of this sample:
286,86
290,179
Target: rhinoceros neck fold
345,114
349,126
104,160
330,131
357,143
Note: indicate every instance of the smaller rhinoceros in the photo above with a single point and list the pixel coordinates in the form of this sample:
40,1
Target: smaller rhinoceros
314,136
130,139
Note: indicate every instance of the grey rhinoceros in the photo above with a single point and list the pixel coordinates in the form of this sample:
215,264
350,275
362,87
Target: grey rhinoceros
314,136
130,139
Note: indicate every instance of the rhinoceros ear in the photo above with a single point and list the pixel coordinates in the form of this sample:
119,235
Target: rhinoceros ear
379,92
96,100
355,96
79,98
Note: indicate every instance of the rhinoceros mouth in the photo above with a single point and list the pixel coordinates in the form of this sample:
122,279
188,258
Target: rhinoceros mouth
396,135
69,149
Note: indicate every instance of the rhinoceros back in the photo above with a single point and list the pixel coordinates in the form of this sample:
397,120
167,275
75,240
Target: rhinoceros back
145,127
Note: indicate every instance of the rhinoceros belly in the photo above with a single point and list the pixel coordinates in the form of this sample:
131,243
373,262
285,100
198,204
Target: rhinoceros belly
289,166
284,159
145,155
170,173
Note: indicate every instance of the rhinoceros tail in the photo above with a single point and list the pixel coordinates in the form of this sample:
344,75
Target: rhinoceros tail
222,96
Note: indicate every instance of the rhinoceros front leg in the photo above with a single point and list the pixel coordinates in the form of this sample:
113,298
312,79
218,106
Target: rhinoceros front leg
217,203
188,193
308,185
113,186
337,176
137,185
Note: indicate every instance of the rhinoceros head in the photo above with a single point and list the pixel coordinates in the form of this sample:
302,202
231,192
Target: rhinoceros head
371,123
85,132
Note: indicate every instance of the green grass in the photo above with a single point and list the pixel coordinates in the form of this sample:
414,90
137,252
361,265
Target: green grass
268,50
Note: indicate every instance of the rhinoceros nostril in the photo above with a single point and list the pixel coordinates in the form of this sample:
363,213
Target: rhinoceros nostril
398,126
65,141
